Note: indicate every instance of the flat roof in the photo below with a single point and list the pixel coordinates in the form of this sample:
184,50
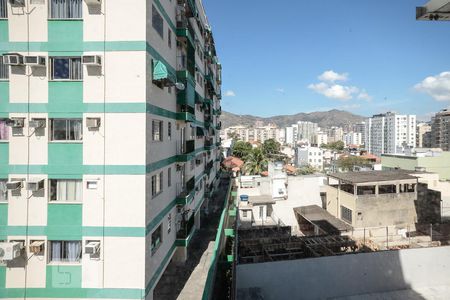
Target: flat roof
322,218
262,199
373,176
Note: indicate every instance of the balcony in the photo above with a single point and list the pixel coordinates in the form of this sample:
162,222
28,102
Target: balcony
185,232
188,147
186,113
186,97
189,7
185,151
209,144
185,192
185,30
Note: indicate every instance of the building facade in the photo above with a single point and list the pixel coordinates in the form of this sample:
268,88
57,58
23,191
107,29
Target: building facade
309,156
423,136
353,138
440,130
390,133
108,143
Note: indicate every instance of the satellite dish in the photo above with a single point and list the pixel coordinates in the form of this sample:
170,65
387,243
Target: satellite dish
180,86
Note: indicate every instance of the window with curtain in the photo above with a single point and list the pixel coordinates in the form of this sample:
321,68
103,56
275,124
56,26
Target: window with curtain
3,190
4,71
4,130
157,22
66,68
169,177
157,184
65,9
66,129
157,130
65,251
156,239
63,190
3,9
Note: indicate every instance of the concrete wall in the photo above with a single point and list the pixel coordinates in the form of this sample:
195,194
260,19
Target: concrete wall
353,274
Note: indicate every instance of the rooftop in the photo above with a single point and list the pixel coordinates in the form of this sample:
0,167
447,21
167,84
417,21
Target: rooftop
321,218
373,176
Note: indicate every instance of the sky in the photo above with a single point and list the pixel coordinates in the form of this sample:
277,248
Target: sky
366,57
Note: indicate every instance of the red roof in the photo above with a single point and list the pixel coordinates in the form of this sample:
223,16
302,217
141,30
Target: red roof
232,162
372,157
264,173
289,169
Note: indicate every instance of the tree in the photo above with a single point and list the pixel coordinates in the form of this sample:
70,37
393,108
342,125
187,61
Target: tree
255,162
306,170
348,163
242,149
271,147
337,146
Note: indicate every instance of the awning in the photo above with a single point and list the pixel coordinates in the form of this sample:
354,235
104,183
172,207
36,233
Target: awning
160,72
200,131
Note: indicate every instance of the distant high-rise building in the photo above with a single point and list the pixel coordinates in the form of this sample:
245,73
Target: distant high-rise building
335,134
307,131
390,133
321,138
289,135
423,135
360,128
440,129
353,138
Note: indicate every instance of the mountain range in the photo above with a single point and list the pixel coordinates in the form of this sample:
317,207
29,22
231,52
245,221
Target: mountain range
325,119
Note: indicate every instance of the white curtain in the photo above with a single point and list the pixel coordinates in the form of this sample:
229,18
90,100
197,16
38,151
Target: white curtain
76,130
66,9
56,251
68,190
73,250
4,130
3,191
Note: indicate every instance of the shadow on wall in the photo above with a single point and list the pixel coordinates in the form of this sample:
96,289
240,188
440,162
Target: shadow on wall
390,274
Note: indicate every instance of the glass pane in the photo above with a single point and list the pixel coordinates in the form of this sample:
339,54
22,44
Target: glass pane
75,130
61,68
52,190
59,130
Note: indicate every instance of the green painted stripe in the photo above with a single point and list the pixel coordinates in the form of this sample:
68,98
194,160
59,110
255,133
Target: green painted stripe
160,269
86,231
63,293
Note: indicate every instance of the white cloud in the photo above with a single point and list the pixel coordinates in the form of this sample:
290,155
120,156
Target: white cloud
330,89
279,90
437,86
332,76
335,91
363,95
229,93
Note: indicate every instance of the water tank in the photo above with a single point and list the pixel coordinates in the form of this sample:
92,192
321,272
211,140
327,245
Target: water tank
244,197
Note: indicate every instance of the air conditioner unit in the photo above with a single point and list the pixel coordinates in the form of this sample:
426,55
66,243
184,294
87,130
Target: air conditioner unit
10,251
93,2
16,122
13,59
37,123
92,60
37,247
17,3
92,122
92,248
35,185
35,60
14,185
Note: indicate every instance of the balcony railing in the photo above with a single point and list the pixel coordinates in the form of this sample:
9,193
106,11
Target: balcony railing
186,228
184,190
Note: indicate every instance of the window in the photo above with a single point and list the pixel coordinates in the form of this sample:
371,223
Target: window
244,214
65,251
65,190
169,131
169,177
66,129
3,190
346,214
65,9
156,239
157,22
169,38
157,184
157,130
169,223
3,9
4,72
4,130
66,68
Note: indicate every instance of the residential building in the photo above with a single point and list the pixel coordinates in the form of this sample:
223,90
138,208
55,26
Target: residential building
440,130
430,160
423,135
108,152
353,138
335,134
321,138
289,136
360,128
434,10
306,131
373,198
309,156
390,133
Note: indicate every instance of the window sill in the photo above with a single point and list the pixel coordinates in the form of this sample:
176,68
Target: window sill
65,263
3,202
66,142
65,80
4,79
62,19
52,202
4,141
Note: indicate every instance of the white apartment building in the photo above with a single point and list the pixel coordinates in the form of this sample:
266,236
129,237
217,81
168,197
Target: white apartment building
361,128
390,133
353,138
335,134
258,134
306,131
309,156
321,138
108,143
289,135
